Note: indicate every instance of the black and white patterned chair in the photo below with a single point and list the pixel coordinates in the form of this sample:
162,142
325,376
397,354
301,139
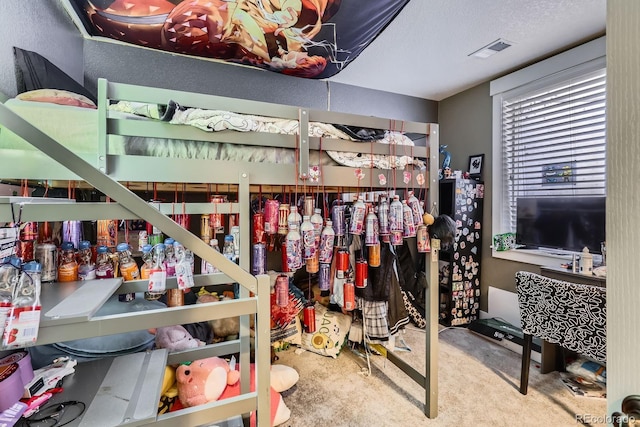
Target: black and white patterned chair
571,315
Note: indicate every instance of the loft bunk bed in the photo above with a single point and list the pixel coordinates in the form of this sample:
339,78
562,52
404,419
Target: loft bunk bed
111,158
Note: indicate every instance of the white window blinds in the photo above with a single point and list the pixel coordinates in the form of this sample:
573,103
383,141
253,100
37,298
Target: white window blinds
554,141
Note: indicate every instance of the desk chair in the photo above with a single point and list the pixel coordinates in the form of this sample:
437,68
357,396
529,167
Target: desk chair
571,315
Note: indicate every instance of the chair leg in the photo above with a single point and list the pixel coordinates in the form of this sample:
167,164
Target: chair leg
526,363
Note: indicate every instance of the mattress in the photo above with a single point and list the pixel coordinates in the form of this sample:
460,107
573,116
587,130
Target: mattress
76,129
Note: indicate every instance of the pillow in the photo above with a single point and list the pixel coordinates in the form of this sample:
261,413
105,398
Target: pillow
331,332
36,72
290,333
57,96
283,316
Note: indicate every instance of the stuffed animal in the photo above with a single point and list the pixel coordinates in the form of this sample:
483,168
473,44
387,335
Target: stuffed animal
211,379
175,338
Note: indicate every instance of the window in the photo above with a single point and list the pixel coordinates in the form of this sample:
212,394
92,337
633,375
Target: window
549,131
553,141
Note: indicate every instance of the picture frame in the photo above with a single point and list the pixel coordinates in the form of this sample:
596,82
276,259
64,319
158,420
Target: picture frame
476,162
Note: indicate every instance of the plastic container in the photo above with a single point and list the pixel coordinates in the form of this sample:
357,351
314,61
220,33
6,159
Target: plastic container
68,268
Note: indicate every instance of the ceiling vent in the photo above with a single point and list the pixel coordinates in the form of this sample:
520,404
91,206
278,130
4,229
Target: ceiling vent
491,49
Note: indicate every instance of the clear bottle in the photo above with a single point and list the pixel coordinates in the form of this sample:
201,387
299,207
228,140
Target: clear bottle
68,267
235,232
184,267
308,238
86,268
327,240
147,261
169,257
294,217
207,267
9,276
416,208
157,272
21,331
104,265
128,269
317,221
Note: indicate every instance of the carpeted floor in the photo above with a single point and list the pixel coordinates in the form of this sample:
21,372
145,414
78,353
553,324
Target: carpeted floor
478,386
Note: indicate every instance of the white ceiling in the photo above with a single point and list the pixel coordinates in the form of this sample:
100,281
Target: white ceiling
424,51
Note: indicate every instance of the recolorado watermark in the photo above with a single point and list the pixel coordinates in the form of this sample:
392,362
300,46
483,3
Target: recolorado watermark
604,419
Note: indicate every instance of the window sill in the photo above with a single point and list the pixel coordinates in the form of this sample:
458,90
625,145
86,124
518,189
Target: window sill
534,256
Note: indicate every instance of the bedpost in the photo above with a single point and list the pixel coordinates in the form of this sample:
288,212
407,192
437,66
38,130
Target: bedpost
103,109
433,295
303,152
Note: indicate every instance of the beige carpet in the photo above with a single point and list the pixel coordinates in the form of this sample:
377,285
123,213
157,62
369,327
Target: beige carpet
478,386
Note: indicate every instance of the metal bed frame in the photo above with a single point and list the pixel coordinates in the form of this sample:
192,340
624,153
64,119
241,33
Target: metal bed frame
107,172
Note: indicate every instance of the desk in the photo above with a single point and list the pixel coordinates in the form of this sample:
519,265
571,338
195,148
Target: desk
550,356
567,275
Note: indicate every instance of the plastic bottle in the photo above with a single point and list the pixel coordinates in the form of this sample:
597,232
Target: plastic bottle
357,216
157,273
169,257
416,208
22,330
86,269
294,216
308,238
235,232
228,249
104,266
184,272
407,219
128,269
9,276
383,216
371,237
317,221
396,221
207,267
147,261
294,248
327,239
68,268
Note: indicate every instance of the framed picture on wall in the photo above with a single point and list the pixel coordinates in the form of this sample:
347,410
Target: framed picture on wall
475,166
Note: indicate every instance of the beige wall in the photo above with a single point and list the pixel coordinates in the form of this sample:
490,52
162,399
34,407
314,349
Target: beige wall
465,127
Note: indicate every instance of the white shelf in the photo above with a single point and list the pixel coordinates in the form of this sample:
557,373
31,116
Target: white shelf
73,302
124,390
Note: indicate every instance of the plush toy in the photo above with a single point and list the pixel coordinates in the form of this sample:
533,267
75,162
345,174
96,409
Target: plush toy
211,379
175,338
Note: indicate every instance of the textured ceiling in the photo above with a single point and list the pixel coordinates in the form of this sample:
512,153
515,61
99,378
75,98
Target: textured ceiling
424,51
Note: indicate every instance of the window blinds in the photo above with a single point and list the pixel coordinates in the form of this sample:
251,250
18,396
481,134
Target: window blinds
554,141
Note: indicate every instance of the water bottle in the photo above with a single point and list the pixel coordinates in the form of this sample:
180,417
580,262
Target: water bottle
228,249
128,269
104,266
86,269
68,268
169,257
207,267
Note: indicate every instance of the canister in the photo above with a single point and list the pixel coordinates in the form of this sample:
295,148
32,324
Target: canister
282,290
309,319
362,272
46,255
